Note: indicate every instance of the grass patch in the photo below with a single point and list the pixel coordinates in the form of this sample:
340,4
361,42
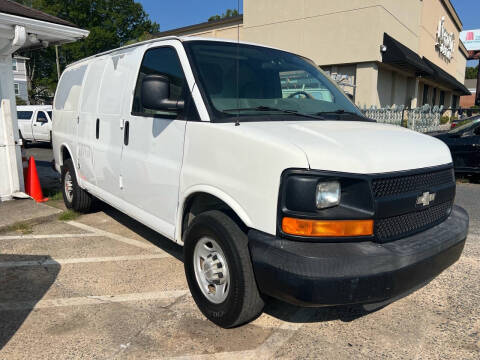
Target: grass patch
54,194
20,227
68,215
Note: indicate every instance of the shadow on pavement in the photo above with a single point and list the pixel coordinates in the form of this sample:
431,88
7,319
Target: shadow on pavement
285,312
148,234
20,289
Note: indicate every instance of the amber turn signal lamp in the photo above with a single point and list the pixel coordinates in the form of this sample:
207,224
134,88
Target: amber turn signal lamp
331,228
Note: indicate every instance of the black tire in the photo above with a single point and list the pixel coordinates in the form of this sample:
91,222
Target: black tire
243,302
81,201
24,142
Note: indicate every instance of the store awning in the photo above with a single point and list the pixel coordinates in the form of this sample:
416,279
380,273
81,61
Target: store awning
402,57
442,76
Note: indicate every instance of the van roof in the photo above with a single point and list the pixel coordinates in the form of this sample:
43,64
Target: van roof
179,38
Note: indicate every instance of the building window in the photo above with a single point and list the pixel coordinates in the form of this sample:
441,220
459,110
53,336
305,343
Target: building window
14,64
442,98
425,94
434,96
454,101
17,89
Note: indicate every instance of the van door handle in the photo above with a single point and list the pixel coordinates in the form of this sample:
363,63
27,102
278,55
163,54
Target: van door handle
126,132
97,129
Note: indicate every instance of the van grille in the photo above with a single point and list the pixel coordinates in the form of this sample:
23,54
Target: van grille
398,226
403,184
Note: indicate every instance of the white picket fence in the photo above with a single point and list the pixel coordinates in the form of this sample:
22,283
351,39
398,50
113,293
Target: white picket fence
423,119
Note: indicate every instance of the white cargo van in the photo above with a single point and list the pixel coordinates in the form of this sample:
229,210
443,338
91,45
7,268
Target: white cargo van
35,123
290,194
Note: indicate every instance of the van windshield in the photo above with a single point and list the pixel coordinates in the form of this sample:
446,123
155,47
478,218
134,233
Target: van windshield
246,82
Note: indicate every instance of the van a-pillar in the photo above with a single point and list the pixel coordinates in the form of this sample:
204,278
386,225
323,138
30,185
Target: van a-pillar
11,173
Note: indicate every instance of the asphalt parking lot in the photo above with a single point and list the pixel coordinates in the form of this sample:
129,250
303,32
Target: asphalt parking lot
104,286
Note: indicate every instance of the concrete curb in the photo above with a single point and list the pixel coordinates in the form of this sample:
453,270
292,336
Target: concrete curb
25,211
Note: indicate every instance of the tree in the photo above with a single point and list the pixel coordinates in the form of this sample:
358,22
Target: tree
229,13
112,23
20,101
471,72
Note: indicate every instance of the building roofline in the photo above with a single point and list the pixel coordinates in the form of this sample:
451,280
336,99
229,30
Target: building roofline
453,13
233,20
463,49
15,8
66,33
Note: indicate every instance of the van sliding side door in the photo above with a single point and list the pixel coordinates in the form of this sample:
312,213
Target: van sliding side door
105,125
88,142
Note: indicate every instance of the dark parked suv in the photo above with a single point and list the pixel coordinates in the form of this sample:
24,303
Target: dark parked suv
464,144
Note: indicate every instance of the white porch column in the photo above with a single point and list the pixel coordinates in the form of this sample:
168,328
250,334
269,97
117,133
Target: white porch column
414,91
11,170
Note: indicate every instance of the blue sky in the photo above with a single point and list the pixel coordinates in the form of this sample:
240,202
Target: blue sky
172,14
177,13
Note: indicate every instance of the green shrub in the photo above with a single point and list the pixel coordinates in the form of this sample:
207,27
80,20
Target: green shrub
444,119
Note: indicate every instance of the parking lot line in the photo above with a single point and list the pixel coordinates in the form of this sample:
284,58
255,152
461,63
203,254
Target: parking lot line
46,236
92,300
47,262
112,236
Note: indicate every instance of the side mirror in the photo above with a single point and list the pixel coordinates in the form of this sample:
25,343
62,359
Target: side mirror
156,93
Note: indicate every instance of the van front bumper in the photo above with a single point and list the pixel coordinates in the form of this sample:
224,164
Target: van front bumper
322,274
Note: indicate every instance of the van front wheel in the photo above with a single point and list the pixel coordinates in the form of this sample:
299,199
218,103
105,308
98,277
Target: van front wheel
219,270
74,196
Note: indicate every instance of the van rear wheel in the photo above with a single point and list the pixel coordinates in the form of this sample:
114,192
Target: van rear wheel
74,196
219,270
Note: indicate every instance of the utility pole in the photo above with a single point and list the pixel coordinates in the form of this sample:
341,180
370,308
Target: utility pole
477,95
58,62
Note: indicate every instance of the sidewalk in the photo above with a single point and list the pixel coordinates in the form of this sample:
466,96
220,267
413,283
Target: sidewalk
16,211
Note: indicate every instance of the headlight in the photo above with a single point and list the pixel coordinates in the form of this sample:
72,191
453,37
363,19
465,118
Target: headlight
328,194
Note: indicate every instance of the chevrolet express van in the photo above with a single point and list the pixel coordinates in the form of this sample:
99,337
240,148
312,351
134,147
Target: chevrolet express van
255,162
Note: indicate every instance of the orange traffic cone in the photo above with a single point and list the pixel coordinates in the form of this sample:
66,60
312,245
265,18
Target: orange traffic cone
32,183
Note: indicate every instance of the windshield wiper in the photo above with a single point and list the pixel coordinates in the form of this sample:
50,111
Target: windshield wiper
285,111
342,112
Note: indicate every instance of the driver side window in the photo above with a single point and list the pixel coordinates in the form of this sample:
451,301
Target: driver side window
160,61
41,117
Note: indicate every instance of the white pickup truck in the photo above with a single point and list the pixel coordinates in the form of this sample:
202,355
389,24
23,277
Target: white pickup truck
291,194
35,123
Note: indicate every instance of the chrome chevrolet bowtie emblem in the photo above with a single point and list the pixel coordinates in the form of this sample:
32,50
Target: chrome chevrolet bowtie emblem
425,199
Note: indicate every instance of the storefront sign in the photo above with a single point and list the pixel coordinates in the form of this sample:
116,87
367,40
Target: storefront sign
445,40
471,39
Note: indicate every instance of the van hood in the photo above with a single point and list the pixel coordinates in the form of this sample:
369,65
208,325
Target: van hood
357,147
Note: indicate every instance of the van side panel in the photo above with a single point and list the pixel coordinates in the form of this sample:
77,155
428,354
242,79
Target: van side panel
65,111
87,122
